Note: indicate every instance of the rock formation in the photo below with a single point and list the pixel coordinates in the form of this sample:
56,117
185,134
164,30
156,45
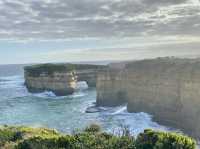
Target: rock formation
59,78
167,88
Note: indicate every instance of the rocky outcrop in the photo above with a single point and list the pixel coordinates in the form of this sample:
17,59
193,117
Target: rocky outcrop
167,88
110,88
59,83
59,78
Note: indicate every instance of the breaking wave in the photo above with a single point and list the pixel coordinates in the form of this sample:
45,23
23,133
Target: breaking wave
26,109
81,86
44,94
50,94
137,122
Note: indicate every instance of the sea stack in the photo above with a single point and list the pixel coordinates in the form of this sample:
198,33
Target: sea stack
61,79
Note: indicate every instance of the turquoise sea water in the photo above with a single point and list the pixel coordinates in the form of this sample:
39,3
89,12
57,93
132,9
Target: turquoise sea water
19,107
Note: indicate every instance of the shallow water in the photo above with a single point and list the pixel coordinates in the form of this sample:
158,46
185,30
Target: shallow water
18,107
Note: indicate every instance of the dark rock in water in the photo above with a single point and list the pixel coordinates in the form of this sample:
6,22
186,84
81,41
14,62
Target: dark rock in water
94,103
69,91
93,109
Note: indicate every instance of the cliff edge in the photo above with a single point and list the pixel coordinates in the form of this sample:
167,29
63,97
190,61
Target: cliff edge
59,78
167,88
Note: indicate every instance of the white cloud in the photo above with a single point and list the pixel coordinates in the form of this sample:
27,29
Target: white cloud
65,19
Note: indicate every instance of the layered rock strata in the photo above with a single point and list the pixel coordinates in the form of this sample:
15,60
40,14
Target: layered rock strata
167,88
59,78
59,83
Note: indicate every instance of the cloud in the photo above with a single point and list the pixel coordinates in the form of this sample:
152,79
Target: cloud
66,19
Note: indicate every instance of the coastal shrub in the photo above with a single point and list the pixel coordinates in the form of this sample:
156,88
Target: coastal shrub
104,140
36,70
124,142
164,140
49,69
7,135
91,138
93,128
64,142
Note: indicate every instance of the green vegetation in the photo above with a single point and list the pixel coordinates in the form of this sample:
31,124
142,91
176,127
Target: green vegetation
90,138
163,140
36,70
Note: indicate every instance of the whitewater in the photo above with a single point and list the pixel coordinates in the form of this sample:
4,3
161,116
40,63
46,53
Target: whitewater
66,113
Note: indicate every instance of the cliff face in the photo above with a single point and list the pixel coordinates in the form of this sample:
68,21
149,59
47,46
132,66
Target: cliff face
59,83
59,78
169,89
110,88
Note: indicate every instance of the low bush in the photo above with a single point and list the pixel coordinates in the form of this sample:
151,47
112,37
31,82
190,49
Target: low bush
91,138
36,70
8,135
164,140
93,128
64,142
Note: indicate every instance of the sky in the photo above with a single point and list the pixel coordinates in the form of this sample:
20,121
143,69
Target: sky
40,31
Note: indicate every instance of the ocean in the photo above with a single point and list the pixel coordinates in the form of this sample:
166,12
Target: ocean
66,113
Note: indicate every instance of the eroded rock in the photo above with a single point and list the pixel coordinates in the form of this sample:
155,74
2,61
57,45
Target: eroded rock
167,88
59,78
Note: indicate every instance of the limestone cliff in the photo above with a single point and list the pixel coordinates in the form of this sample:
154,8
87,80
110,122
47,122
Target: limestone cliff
59,83
167,88
59,78
110,87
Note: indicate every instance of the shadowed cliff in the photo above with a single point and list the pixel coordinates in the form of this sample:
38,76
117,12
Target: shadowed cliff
167,88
